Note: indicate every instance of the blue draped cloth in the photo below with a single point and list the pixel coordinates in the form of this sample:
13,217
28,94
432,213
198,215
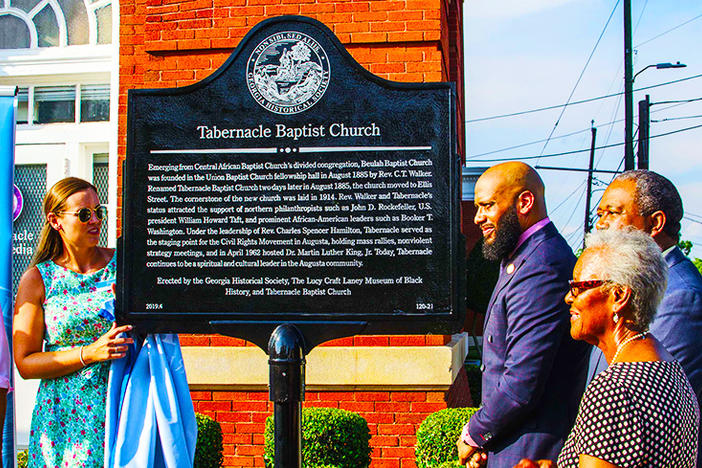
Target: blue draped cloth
150,416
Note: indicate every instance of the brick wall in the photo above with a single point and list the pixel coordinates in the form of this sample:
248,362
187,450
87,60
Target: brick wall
393,418
170,43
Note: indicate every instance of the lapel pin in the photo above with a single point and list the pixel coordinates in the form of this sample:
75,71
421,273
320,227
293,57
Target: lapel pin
510,268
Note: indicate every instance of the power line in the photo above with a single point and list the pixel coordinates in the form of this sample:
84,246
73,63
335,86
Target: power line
583,101
566,153
679,118
577,82
668,31
577,132
692,220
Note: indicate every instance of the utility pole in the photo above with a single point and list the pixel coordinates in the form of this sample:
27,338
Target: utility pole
593,130
628,90
644,132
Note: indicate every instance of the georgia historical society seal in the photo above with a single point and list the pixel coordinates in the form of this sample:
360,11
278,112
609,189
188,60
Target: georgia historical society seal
288,72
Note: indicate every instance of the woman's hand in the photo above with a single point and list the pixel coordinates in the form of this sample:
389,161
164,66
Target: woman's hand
108,346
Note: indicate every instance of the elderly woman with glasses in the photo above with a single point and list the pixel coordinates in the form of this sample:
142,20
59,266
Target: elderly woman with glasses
59,333
641,411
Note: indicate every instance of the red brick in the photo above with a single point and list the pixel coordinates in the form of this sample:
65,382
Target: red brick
258,396
233,416
259,406
396,429
371,340
399,452
408,396
352,6
371,16
408,441
249,428
438,340
379,418
356,406
249,450
336,396
436,396
384,441
392,407
428,407
214,406
239,461
406,36
238,439
368,37
373,396
229,396
277,10
200,395
405,15
410,418
387,67
385,5
408,463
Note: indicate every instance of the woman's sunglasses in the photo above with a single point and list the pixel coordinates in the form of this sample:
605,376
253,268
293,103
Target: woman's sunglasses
85,214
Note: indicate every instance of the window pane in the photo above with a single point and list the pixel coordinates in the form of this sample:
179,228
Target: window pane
100,179
14,34
47,27
25,5
76,20
55,104
22,105
94,103
104,24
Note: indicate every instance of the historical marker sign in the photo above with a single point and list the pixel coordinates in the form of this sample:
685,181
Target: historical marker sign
291,186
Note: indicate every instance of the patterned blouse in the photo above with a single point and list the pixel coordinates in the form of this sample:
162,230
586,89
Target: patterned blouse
636,414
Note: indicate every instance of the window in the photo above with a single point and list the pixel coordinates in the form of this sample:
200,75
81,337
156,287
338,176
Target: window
94,103
54,104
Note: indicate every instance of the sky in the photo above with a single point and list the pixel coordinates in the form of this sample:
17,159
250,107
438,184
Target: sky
522,55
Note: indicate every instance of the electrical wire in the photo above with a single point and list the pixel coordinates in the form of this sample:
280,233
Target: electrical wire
582,73
668,31
583,101
566,153
569,196
678,118
577,132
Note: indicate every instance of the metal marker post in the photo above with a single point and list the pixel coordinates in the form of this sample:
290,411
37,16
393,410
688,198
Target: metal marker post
287,377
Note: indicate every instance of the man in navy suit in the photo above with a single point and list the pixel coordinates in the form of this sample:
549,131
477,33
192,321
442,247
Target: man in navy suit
648,201
533,372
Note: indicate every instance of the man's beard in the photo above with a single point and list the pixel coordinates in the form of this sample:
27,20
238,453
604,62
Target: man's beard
507,232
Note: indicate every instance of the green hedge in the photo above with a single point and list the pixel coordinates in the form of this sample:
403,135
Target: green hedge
331,437
209,448
437,436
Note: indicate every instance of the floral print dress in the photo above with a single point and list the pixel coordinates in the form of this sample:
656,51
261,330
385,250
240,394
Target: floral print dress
68,422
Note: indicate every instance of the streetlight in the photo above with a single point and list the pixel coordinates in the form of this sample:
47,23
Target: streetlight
660,66
629,115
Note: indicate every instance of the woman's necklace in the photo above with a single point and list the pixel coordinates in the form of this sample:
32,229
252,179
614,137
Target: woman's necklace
641,335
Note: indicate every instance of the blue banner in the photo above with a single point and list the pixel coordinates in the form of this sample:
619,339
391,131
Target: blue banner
7,162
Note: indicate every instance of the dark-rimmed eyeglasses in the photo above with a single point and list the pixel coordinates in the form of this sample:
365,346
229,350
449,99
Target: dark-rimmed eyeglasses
85,214
576,287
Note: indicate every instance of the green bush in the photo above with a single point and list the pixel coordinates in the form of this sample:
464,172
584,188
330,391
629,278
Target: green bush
209,448
22,459
437,436
331,437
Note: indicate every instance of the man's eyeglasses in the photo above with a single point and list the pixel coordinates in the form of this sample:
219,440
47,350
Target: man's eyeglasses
85,214
576,287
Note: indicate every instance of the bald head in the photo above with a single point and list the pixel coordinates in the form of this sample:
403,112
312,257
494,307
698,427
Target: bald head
513,178
509,199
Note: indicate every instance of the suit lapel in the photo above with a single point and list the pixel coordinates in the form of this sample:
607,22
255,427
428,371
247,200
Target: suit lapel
516,262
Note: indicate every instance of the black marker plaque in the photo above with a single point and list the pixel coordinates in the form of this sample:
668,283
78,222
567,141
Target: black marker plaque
292,186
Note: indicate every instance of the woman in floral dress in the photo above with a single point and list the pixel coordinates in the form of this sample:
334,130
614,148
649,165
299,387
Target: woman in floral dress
59,335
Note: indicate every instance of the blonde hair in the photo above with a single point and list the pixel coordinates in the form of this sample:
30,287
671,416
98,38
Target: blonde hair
50,244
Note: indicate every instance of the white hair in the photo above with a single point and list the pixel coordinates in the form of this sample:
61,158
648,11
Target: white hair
632,259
